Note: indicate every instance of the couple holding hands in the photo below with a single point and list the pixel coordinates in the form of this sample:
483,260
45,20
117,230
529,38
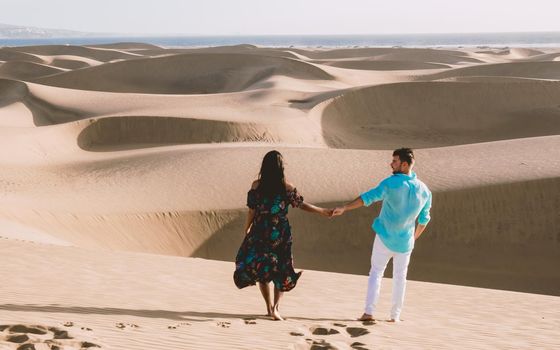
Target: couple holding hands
266,252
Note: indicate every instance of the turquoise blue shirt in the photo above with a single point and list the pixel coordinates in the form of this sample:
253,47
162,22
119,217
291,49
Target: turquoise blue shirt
405,198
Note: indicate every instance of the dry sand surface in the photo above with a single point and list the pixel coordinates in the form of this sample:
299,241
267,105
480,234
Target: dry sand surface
122,163
71,296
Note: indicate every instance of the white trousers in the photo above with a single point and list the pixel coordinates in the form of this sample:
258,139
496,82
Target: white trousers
380,256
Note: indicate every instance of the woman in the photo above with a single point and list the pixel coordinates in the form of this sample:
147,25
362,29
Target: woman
266,252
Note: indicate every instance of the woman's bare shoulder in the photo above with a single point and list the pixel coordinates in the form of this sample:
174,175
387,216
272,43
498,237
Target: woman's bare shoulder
290,186
255,184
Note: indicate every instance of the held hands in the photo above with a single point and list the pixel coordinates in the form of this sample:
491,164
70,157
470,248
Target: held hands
332,212
338,211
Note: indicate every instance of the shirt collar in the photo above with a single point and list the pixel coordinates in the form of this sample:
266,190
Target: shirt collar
411,176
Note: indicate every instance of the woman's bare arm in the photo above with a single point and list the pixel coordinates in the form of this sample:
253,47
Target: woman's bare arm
315,209
310,207
249,220
251,212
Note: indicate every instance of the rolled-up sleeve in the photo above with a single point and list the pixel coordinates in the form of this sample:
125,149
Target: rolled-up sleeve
373,195
424,216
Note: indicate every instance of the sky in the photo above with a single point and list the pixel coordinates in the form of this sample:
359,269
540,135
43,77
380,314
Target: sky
284,17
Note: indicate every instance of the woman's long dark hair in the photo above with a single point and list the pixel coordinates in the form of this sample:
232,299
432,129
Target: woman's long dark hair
271,177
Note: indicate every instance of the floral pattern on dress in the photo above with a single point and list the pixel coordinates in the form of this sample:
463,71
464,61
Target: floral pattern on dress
265,254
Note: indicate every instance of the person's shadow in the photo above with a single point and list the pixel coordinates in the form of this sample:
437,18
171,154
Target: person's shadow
191,316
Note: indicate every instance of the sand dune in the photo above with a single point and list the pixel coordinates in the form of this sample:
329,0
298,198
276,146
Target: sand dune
125,46
544,57
517,52
239,49
483,79
520,52
34,110
254,107
393,54
440,114
154,163
115,133
175,218
70,62
6,54
128,148
381,65
26,70
535,70
103,55
430,56
185,74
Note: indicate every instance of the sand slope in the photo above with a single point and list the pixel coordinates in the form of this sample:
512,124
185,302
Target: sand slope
26,70
535,70
185,74
441,114
138,301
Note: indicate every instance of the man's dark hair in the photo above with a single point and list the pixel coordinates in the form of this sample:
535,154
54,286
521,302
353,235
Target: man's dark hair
405,155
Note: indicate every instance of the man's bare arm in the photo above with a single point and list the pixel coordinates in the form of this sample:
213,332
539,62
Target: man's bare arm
419,230
356,203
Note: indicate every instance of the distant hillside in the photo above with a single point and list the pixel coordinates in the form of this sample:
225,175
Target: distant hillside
8,31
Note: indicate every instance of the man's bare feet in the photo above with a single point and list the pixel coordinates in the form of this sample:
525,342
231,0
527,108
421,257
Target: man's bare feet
366,317
276,315
269,310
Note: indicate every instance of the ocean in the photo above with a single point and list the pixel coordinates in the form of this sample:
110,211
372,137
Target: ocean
534,39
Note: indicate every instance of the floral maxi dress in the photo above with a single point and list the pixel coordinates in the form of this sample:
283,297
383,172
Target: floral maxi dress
266,252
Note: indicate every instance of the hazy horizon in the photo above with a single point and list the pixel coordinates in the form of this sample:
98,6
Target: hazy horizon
139,34
291,17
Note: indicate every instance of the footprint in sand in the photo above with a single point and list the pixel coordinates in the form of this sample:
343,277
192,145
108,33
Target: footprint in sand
38,337
122,325
224,324
317,330
321,345
175,326
356,331
339,325
71,324
250,320
316,344
358,346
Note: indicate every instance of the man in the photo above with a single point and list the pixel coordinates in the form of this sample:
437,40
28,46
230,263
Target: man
405,199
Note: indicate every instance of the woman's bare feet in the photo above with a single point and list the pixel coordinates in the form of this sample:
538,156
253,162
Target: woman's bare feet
276,314
366,317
